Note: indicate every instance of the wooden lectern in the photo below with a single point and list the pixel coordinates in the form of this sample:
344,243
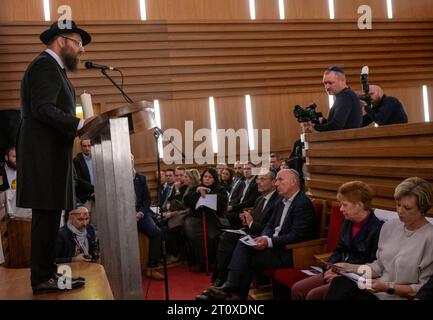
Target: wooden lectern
115,196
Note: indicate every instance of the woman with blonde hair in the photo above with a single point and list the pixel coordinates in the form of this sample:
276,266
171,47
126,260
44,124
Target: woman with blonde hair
405,252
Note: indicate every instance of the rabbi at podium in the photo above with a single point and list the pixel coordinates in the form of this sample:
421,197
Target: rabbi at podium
44,147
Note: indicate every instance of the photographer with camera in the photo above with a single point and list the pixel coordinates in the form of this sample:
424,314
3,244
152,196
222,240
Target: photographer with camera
346,112
381,109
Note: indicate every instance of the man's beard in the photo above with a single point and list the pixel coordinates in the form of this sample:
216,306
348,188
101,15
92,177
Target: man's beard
11,165
70,59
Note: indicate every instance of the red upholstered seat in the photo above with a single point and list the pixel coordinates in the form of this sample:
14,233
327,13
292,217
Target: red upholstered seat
334,230
289,276
318,210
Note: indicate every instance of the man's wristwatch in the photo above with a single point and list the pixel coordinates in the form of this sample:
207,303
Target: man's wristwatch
390,289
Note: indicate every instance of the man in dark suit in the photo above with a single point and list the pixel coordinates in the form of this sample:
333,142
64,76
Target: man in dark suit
44,146
254,222
292,221
83,164
146,224
245,199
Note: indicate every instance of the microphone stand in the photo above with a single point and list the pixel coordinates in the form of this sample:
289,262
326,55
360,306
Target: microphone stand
157,133
125,96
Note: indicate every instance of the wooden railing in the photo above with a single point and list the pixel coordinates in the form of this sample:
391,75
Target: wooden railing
380,156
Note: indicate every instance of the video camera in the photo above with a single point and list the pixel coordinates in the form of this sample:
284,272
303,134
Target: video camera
365,96
307,114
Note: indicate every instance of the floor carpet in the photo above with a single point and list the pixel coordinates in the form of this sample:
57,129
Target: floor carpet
182,284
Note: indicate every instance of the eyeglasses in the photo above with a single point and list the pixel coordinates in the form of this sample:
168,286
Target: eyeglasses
77,42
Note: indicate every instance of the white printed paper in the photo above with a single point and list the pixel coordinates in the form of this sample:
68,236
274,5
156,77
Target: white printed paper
248,240
209,200
238,231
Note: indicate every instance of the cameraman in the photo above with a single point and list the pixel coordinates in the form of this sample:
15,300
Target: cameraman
346,112
383,109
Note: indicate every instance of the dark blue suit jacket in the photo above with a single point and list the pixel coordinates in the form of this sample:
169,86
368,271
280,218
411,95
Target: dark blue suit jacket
142,194
299,225
362,248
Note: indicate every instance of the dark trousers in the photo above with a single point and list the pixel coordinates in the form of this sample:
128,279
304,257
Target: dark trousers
45,227
147,226
342,288
246,260
226,246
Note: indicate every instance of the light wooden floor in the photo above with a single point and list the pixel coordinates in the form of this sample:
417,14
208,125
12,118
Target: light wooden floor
15,284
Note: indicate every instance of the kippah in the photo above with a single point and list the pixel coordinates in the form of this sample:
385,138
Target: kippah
336,69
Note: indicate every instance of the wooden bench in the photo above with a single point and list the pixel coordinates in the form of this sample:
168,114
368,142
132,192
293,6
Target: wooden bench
143,245
15,236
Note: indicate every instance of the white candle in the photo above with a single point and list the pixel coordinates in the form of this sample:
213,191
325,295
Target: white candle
86,102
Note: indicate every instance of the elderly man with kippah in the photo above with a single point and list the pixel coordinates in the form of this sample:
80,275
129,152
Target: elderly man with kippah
346,111
44,147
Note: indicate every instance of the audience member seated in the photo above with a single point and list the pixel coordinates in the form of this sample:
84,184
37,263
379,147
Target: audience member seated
238,183
284,164
167,189
227,179
405,252
193,223
146,223
254,223
274,162
179,186
76,240
293,220
175,218
246,200
219,168
383,109
8,183
358,240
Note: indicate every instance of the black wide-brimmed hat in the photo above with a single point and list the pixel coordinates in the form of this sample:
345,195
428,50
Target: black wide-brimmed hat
62,27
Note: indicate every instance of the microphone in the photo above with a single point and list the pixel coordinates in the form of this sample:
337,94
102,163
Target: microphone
92,65
364,79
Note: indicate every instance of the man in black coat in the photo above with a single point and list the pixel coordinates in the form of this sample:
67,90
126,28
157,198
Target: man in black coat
293,220
44,146
83,164
146,224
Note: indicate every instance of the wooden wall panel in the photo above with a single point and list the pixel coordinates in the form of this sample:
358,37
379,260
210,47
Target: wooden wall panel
197,9
24,10
306,9
275,112
174,113
419,9
267,9
349,9
98,10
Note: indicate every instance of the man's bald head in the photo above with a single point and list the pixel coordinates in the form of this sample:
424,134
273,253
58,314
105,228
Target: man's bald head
287,182
376,92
